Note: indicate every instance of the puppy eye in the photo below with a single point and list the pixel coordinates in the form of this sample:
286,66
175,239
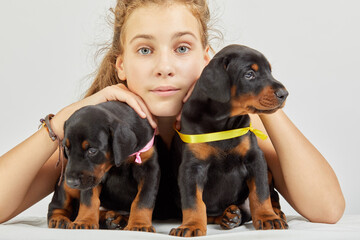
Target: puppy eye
250,75
66,150
92,151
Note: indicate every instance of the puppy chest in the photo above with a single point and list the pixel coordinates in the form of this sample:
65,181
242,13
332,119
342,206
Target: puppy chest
224,186
227,150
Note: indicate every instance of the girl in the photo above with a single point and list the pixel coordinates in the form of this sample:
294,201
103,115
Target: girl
152,65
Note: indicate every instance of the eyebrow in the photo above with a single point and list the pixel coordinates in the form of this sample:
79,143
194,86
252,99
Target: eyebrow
144,36
180,34
150,37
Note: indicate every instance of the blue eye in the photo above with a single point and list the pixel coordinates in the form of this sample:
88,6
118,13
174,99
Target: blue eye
92,151
182,49
250,75
144,51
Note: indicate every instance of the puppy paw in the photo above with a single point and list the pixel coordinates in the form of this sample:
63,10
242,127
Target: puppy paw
113,220
83,224
231,217
140,228
188,231
280,214
266,222
59,222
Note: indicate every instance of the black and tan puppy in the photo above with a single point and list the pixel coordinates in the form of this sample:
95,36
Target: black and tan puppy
216,177
101,171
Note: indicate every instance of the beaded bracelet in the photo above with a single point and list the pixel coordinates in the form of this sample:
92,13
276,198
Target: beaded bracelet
46,123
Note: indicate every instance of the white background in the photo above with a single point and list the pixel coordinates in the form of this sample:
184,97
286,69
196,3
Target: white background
47,51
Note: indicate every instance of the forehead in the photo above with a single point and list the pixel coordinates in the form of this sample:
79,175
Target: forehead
86,127
82,136
173,19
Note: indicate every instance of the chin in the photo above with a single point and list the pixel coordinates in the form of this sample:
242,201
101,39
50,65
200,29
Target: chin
165,110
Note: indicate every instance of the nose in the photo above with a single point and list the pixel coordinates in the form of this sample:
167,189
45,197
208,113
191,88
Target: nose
164,67
73,182
281,94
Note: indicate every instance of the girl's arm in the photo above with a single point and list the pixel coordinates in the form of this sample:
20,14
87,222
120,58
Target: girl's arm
301,174
21,182
28,173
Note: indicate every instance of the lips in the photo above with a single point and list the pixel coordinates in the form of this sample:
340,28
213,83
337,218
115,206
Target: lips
165,91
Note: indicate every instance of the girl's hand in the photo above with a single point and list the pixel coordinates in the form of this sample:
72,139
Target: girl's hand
117,92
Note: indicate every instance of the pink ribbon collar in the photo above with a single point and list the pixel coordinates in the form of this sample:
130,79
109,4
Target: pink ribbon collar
145,149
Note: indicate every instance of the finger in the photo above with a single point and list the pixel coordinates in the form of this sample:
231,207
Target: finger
125,95
121,93
145,109
145,113
134,104
152,121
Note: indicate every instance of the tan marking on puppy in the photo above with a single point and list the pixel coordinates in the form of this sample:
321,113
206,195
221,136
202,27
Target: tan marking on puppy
243,147
147,155
262,211
233,91
88,216
202,151
266,100
108,155
64,214
214,219
101,169
255,67
85,145
67,143
144,156
71,193
194,219
140,217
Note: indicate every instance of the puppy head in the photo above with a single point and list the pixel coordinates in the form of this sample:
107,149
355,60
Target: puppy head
241,77
87,146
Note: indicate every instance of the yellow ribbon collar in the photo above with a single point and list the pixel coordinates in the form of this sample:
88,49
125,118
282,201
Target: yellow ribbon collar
223,135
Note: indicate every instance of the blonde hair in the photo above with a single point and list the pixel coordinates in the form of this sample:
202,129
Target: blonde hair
106,74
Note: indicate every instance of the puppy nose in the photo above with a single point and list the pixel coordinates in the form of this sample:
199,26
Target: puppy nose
281,94
73,182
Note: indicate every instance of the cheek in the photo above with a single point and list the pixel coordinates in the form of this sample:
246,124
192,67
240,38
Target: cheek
135,78
134,85
191,71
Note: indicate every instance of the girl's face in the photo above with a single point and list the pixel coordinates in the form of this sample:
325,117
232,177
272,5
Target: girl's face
163,56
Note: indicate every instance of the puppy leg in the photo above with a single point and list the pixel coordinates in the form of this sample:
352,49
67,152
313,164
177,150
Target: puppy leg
140,218
148,176
191,182
194,219
262,212
275,200
61,206
88,216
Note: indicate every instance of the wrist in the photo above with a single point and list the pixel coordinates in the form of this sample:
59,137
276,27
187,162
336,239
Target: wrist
58,121
271,117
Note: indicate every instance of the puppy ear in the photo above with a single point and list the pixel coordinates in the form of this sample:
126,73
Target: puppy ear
124,141
215,80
